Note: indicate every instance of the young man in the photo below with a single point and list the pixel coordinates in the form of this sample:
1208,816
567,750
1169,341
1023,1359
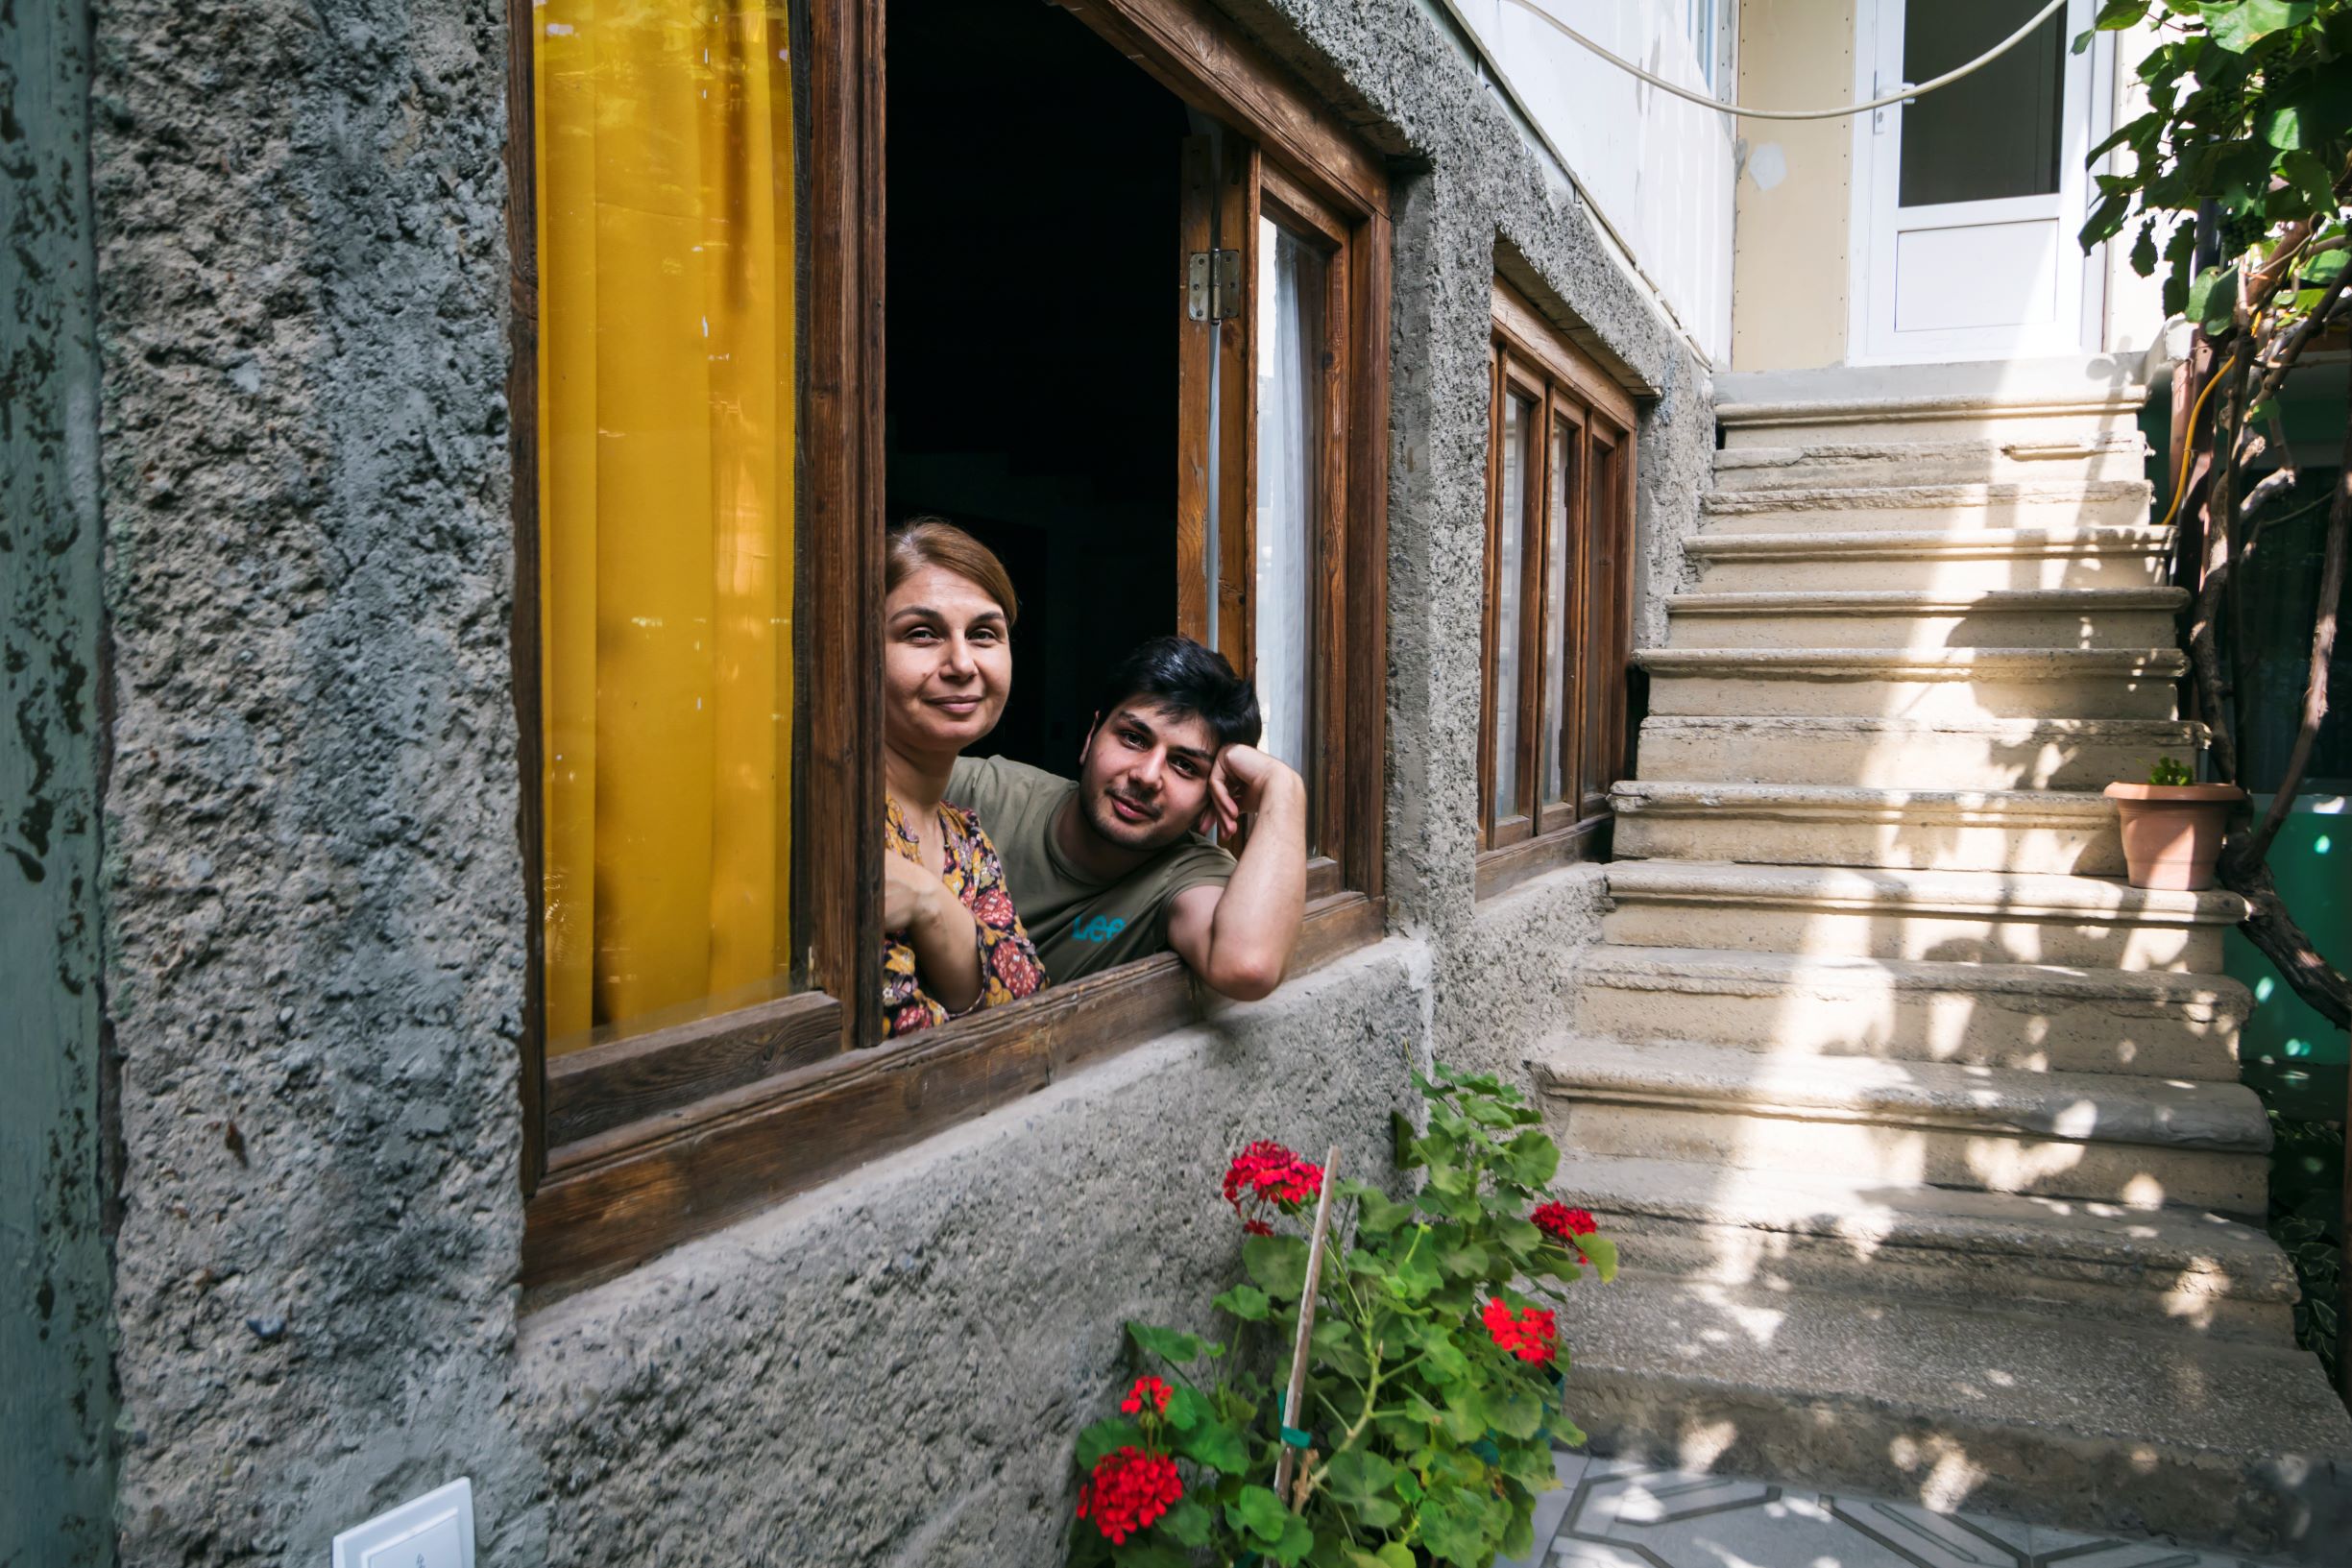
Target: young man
1109,866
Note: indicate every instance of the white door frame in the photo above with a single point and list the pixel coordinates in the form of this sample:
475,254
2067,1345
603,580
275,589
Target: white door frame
1871,338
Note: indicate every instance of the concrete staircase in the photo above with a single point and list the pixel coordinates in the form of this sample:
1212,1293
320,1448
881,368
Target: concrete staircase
1921,1130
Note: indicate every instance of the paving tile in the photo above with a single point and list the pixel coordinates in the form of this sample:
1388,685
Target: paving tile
2065,1549
1943,1541
1616,1513
1551,1507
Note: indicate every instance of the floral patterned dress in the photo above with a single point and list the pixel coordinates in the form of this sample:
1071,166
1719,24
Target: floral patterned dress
1008,965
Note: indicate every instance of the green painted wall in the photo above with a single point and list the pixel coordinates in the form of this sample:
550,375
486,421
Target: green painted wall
2295,1058
56,1407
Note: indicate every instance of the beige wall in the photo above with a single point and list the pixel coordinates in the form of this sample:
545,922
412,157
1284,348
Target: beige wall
1788,235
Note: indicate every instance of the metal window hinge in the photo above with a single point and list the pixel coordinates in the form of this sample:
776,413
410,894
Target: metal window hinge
1213,285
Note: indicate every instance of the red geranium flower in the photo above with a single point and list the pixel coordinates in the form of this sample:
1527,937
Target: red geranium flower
1562,1223
1128,1491
1531,1335
1147,1388
1269,1178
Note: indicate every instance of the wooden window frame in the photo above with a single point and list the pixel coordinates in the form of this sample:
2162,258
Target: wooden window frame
635,1144
1564,389
1258,183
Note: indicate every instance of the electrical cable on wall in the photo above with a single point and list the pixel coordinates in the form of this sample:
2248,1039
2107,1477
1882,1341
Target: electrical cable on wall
1902,94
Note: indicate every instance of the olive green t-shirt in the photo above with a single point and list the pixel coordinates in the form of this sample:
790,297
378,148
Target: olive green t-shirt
1081,927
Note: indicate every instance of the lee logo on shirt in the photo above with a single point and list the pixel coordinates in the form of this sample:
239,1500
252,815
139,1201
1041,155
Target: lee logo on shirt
1100,929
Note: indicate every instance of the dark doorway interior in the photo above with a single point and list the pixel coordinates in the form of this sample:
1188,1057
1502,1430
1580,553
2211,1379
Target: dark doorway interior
1032,375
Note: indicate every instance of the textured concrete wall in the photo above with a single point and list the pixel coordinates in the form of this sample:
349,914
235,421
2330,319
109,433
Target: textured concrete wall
320,906
317,947
55,1408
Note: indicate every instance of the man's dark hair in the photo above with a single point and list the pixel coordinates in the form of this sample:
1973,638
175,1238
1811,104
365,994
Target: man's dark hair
1181,675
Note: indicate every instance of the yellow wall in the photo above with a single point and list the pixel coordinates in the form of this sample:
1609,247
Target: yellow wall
1788,239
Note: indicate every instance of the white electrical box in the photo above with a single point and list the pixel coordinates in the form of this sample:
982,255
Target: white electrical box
435,1531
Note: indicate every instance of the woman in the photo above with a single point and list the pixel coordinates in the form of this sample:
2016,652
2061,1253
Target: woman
953,942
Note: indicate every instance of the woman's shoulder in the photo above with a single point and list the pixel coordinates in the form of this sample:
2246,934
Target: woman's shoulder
967,824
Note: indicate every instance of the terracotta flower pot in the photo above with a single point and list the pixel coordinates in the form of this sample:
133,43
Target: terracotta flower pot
2173,833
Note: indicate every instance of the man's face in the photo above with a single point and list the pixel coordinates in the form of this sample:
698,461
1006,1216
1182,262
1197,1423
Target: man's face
1144,775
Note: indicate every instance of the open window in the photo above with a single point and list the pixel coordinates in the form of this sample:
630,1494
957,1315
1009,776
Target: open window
1557,635
1106,287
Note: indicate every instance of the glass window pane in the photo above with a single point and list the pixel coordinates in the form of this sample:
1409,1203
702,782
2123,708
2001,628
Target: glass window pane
1560,610
1991,135
1290,357
666,408
1601,610
1518,437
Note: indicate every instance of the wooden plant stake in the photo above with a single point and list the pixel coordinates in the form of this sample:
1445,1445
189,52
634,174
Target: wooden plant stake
1298,1392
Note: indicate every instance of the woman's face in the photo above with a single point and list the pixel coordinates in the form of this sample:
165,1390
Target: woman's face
946,663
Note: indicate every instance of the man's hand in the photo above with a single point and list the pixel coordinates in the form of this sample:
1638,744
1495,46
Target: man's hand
1245,779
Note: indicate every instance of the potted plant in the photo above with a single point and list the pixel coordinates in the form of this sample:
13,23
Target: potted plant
2173,827
1433,1383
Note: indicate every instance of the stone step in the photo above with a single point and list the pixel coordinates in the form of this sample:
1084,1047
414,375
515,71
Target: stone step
1901,410
1827,465
2107,1137
1918,504
2195,1271
1945,560
1922,682
2089,1425
2062,618
1975,917
2011,1018
1847,824
1897,753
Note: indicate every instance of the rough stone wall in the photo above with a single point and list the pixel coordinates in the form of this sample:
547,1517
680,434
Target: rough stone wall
319,901
317,895
56,1407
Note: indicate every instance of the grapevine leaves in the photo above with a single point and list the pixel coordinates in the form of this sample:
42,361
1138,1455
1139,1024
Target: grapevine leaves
2249,120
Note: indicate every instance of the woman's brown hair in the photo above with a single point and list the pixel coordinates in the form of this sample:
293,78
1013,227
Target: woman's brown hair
934,541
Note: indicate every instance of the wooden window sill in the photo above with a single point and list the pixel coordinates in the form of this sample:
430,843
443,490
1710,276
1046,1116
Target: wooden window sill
621,1194
1499,869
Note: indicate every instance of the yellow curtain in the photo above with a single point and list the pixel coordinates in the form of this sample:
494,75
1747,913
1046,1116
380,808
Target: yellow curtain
666,410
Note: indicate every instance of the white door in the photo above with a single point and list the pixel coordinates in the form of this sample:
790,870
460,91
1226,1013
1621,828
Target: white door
1967,201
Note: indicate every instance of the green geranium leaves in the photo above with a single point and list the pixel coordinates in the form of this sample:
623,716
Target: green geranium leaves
1463,1527
1215,1445
1278,1263
1267,1526
1246,1302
